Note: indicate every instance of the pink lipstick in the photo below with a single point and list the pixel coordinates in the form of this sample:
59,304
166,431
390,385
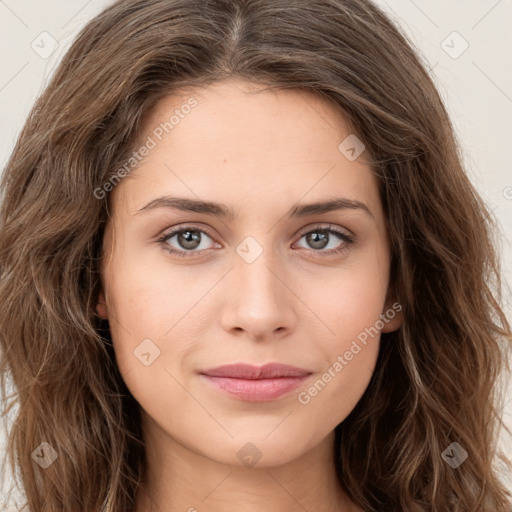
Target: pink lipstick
256,383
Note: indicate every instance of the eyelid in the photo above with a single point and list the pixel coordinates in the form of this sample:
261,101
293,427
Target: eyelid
302,232
187,225
184,227
347,237
326,226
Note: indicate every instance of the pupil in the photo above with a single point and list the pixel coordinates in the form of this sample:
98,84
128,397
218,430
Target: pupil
317,239
187,239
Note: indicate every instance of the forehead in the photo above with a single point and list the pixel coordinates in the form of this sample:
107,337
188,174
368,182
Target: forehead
242,143
224,112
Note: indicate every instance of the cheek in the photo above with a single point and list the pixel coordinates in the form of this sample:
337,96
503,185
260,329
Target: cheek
153,311
142,308
333,394
147,294
352,296
350,306
350,357
145,311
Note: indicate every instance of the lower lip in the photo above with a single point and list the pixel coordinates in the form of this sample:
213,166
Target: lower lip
256,390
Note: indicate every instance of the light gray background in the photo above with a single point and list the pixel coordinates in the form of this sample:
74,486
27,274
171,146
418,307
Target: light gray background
476,85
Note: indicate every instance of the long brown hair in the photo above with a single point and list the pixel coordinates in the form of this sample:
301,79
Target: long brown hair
436,380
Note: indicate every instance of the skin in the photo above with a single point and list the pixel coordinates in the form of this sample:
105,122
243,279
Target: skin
260,152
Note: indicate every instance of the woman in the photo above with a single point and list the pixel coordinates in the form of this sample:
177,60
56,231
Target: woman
246,269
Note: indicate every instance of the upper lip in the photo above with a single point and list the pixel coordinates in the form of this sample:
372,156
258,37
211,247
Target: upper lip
248,371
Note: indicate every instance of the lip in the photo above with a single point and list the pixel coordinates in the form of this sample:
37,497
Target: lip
256,383
251,372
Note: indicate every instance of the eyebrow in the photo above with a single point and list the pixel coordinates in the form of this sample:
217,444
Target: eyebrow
223,211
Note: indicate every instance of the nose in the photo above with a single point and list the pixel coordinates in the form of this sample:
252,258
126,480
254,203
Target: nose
260,300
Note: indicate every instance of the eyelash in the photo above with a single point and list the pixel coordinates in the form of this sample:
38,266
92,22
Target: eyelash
348,239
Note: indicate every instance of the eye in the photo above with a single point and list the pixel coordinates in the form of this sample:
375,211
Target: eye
321,237
188,238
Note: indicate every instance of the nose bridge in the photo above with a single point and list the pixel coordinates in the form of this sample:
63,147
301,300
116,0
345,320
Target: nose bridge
260,301
255,268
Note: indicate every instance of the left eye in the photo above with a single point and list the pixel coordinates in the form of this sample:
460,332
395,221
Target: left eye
187,238
190,238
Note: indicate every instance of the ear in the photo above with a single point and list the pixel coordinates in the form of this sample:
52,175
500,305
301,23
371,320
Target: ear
392,315
101,306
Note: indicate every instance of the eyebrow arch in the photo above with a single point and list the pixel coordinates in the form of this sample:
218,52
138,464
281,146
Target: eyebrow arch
223,211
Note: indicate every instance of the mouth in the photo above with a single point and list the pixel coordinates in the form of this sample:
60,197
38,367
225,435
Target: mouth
256,383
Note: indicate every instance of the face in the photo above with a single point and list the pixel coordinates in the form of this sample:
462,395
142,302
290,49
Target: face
189,287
